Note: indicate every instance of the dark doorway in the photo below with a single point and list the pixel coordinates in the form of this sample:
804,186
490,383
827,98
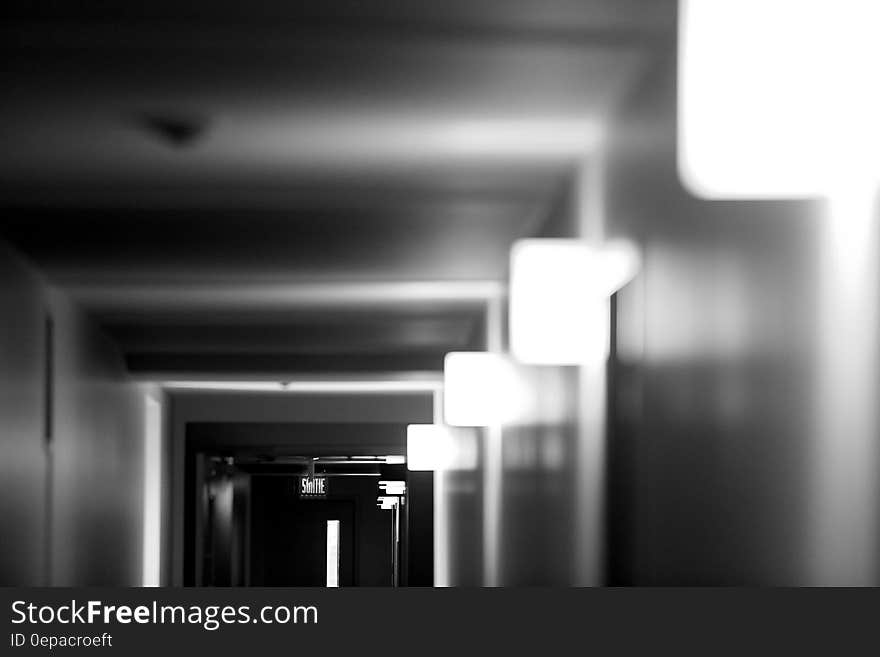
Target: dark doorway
245,524
289,535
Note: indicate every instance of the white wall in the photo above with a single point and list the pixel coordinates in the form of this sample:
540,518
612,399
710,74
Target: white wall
71,511
711,450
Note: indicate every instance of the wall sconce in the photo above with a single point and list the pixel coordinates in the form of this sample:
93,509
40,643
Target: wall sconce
559,298
788,113
388,502
481,389
440,447
428,447
392,487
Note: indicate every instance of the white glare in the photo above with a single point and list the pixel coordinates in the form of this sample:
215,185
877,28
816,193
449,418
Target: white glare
330,386
387,503
439,447
483,388
844,486
775,95
559,290
152,540
392,487
332,553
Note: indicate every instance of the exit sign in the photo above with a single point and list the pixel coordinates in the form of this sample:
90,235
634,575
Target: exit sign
312,487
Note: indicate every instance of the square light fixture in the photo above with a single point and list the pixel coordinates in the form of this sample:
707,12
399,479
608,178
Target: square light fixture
428,447
559,298
777,98
481,389
440,447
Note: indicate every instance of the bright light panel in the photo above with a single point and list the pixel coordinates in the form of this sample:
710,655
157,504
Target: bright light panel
481,389
330,386
387,503
440,447
428,447
332,553
559,291
392,487
776,96
152,506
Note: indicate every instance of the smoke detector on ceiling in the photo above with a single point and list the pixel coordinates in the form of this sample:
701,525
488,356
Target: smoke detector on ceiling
174,129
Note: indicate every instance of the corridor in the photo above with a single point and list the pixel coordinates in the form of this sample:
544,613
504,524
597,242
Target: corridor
462,293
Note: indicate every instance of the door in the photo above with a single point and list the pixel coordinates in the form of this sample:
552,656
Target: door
289,544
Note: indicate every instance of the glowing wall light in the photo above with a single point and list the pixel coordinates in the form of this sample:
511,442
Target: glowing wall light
481,389
332,553
440,447
152,506
392,487
387,502
427,447
776,96
559,292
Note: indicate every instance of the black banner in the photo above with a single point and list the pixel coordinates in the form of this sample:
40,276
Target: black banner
372,621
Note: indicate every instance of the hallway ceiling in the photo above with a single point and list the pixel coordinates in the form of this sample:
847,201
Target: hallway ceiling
224,147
